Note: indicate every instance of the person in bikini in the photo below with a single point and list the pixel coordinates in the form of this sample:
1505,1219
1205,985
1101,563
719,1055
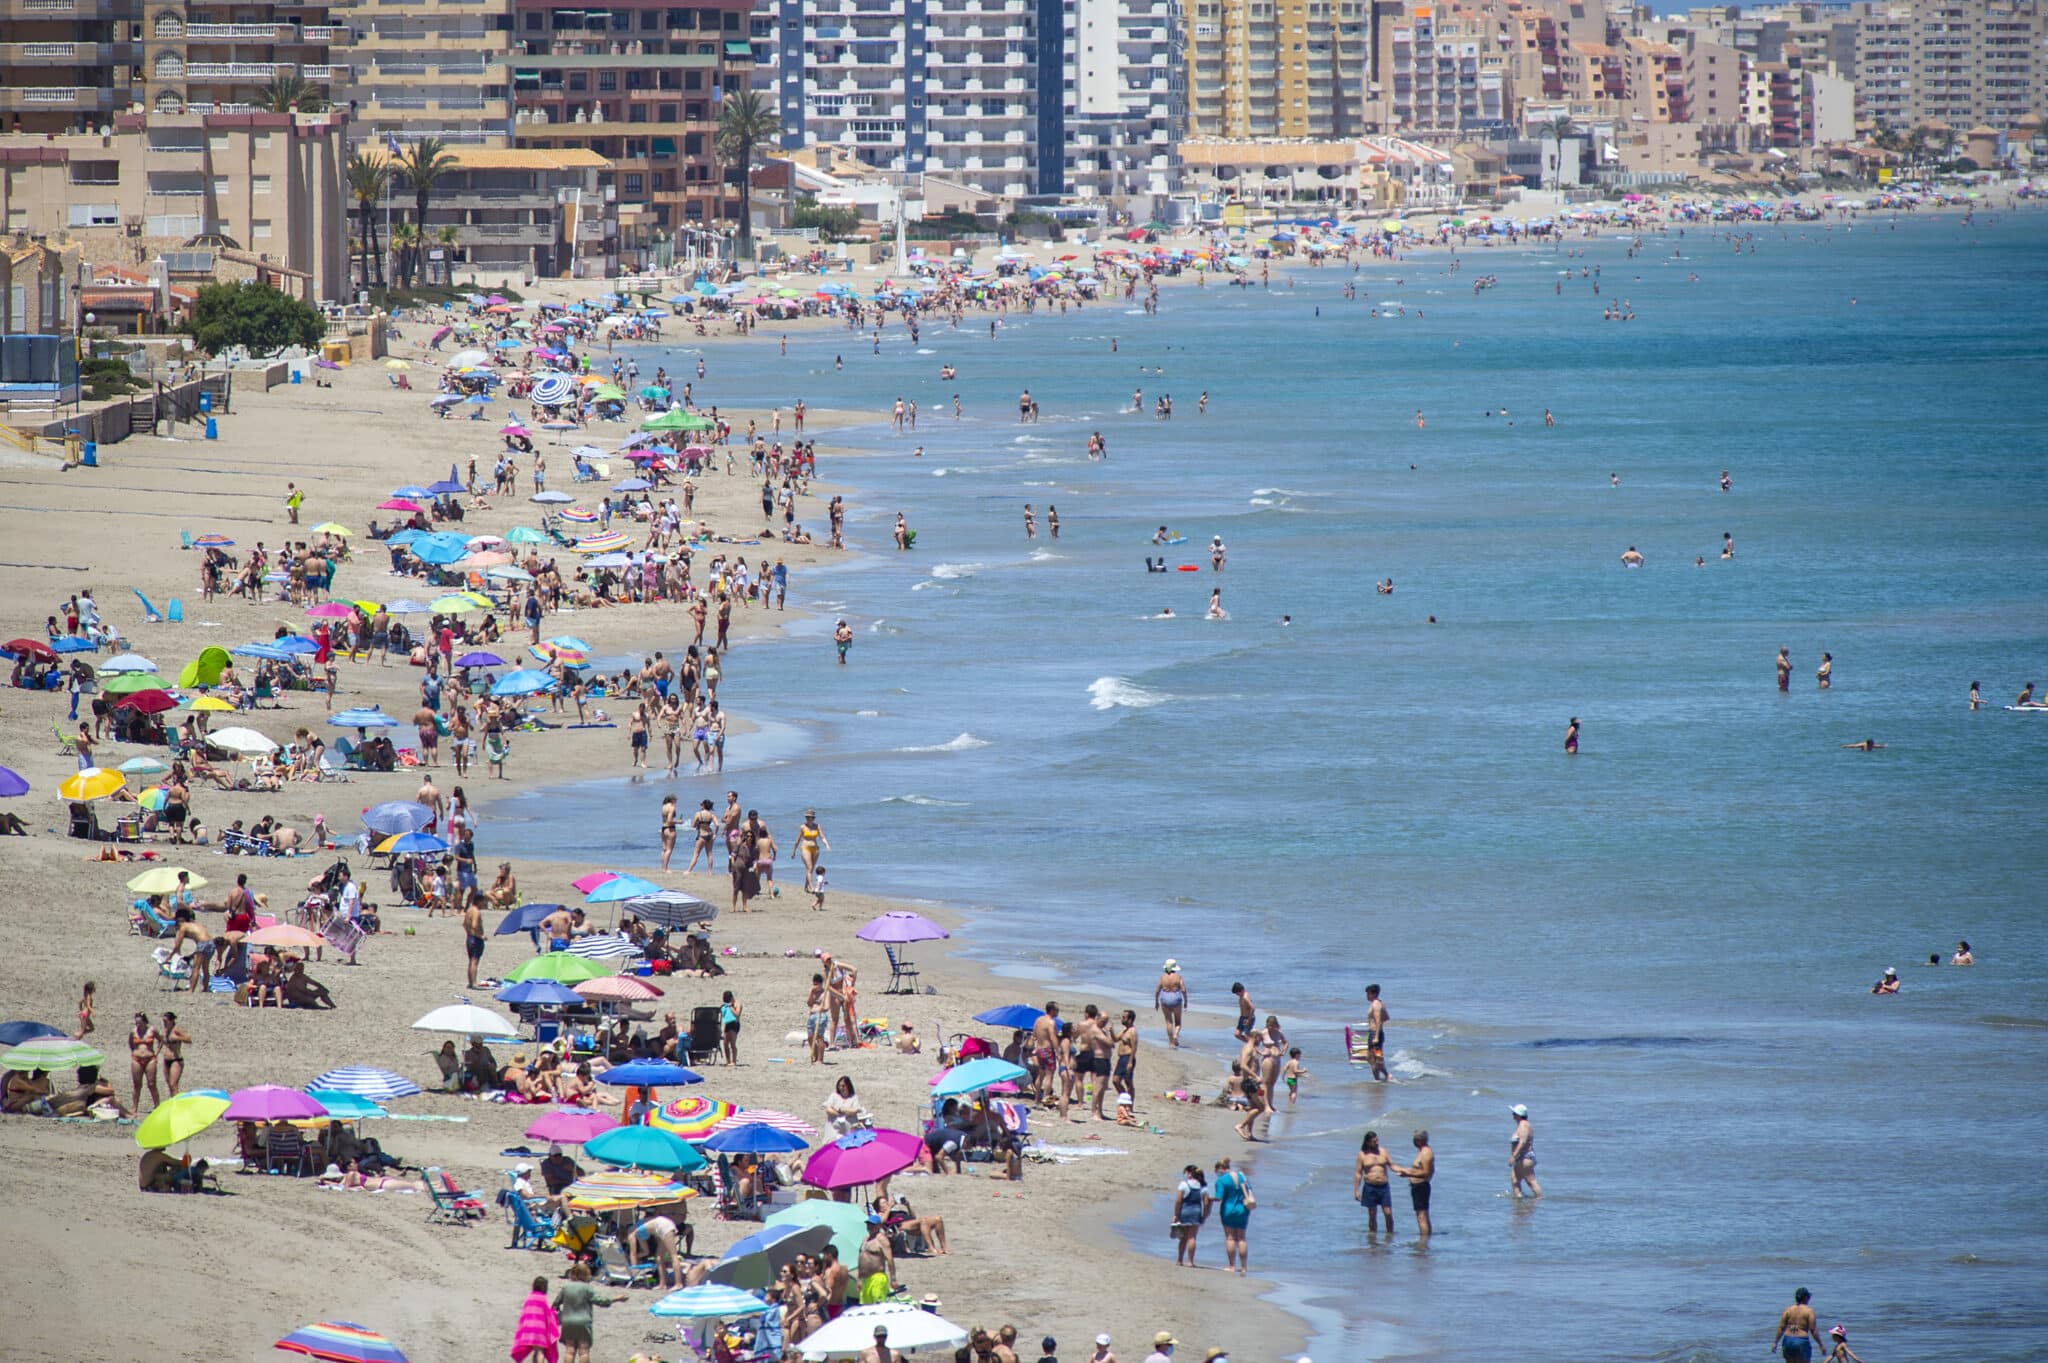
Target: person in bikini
171,1041
1170,996
142,1053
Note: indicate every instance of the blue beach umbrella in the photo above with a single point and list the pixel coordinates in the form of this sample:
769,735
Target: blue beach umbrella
361,717
546,993
438,552
977,1075
14,1033
644,1147
413,844
650,1074
268,652
524,682
366,1081
397,816
410,490
1021,1017
525,918
296,643
73,643
752,1138
347,1107
405,537
621,888
12,782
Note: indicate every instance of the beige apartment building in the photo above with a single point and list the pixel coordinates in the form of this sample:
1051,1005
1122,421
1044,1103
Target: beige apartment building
1958,63
217,56
1277,68
531,211
257,195
65,65
429,68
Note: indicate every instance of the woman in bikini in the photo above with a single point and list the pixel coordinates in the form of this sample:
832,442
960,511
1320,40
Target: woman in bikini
672,732
809,838
142,1063
668,813
1170,996
764,858
172,1039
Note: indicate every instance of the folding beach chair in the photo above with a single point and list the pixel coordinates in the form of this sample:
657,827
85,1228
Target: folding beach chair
67,744
531,1229
171,969
613,1265
145,923
184,539
446,1202
176,612
149,612
285,1152
902,974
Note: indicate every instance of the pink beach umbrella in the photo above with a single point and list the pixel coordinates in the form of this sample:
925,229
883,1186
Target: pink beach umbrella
629,988
586,884
271,1103
861,1157
570,1125
331,610
398,504
766,1116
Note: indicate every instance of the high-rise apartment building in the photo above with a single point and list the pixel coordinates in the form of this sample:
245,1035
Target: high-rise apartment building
66,65
218,56
1123,105
639,82
1278,68
428,68
1438,68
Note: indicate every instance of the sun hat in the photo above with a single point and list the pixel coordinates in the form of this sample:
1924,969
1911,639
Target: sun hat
930,1301
1518,1110
1102,1340
1214,1354
1172,964
1162,1339
522,1168
1889,971
1841,1331
1123,1100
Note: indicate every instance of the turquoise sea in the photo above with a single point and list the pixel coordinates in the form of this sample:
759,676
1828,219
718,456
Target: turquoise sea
1663,946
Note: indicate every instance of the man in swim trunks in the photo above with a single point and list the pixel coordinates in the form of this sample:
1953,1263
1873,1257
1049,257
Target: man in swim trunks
1419,1176
1247,1015
1376,1017
1370,1183
473,932
1797,1329
1045,1048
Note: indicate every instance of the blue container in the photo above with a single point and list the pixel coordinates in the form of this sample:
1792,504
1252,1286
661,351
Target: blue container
89,455
295,376
212,431
206,404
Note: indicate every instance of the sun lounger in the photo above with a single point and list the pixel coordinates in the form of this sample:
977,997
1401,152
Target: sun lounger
530,1229
144,921
448,1203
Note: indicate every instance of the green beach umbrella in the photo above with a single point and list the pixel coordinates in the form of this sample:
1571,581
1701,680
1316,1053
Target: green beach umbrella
130,682
676,420
607,392
179,1119
523,534
51,1053
847,1221
559,966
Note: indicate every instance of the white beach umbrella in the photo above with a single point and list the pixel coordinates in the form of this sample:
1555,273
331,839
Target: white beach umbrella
238,740
466,1019
910,1327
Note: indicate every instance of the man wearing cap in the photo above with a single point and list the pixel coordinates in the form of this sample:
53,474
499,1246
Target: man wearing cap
1103,1353
1162,1348
1216,1356
879,1351
1522,1154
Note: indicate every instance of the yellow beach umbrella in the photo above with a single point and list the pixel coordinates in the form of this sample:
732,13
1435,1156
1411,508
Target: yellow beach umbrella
367,607
93,783
396,364
332,528
210,703
453,604
164,880
179,1118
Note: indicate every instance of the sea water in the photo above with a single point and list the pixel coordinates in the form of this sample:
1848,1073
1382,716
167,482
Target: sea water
1663,946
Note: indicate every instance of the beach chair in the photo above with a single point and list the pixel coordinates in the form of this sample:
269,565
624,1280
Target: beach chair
285,1152
184,539
902,974
67,744
449,1203
175,612
706,1032
149,611
144,922
171,968
611,1264
263,692
531,1229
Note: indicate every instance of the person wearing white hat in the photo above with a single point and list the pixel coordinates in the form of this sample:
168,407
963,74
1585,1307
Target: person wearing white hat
1103,1353
1889,984
1170,996
1522,1154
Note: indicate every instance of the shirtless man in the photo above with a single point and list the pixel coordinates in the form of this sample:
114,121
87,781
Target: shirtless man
879,1351
201,959
1419,1175
833,1280
1370,1184
1045,1057
1630,558
430,795
729,823
1522,1154
556,927
1784,669
875,1255
1247,1015
473,933
1797,1329
504,891
1092,1046
1376,1017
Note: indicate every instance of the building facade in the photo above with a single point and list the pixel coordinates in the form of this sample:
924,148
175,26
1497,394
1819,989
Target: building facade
1278,68
66,65
1122,111
428,68
218,56
534,212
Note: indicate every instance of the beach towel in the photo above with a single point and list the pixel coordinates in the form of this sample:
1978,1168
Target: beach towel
538,1331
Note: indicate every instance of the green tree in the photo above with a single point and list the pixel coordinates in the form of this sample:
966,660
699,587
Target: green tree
422,168
368,175
446,237
290,93
405,243
256,317
745,121
832,224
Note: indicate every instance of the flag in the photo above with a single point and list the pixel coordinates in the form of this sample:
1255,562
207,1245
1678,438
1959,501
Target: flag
391,143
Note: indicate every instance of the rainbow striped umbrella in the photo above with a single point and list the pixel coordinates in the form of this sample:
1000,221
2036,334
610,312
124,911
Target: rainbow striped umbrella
691,1118
620,1188
153,799
341,1341
550,653
581,515
601,543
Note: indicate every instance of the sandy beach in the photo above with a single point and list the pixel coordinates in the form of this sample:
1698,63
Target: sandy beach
225,1276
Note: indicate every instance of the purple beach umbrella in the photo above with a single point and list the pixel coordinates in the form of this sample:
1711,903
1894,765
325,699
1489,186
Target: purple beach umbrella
861,1157
901,927
11,782
270,1103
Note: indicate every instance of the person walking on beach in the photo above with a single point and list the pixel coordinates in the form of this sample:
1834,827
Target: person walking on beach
1797,1330
1235,1203
1247,1015
1419,1176
573,1302
1522,1154
473,933
1170,996
1191,1203
842,639
293,500
1370,1183
539,1329
668,828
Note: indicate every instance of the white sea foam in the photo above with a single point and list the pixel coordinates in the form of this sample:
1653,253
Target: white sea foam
1042,555
958,743
1405,1066
952,572
868,714
924,800
1108,693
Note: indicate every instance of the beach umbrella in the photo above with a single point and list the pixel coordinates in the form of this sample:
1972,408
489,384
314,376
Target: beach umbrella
406,606
412,844
650,1074
400,538
551,498
847,1223
787,1123
409,491
452,604
756,1260
179,1118
506,572
399,504
332,528
861,1157
570,1125
910,1327
525,918
619,888
604,946
50,1053
1020,1017
212,541
520,534
345,1107
286,935
330,610
93,783
711,1301
644,1147
466,1019
578,515
152,702
899,927
584,884
128,683
362,717
977,1075
153,799
34,648
126,662
485,558
540,993
14,1033
676,420
341,1341
617,1189
271,1103
13,782
365,1081
208,705
751,1138
601,543
72,643
524,682
244,741
554,653
617,988
558,966
164,880
691,1118
290,643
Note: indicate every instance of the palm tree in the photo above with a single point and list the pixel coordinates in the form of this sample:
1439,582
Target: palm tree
290,93
446,237
421,167
368,175
1558,129
405,240
745,121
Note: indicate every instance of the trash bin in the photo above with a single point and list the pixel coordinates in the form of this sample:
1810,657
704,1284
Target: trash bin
89,454
296,375
212,431
205,402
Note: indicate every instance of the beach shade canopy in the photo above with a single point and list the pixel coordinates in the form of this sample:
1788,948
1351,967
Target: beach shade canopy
1020,1017
94,783
551,499
861,1157
524,682
365,1081
650,1074
244,741
670,908
631,485
397,816
270,1103
151,702
341,1341
617,1189
977,1075
179,1118
847,1222
620,888
345,1107
51,1053
480,659
164,880
13,782
910,1327
756,1260
14,1033
690,1118
543,993
751,1138
525,918
644,1147
901,926
710,1301
617,988
412,844
362,717
466,1019
205,669
409,491
126,662
569,1125
579,515
286,935
558,966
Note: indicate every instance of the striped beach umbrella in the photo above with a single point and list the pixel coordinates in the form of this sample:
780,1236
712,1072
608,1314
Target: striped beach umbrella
607,946
341,1341
153,799
762,1116
51,1053
602,542
551,653
212,542
616,1189
366,1081
691,1118
579,515
621,988
708,1301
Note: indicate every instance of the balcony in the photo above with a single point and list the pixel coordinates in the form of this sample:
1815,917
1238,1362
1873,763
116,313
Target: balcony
62,9
258,33
58,98
67,54
239,70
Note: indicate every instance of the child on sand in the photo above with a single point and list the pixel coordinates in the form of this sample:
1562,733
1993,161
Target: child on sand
818,890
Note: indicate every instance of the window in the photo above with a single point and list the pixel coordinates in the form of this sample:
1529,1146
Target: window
221,187
259,184
94,215
259,229
607,80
